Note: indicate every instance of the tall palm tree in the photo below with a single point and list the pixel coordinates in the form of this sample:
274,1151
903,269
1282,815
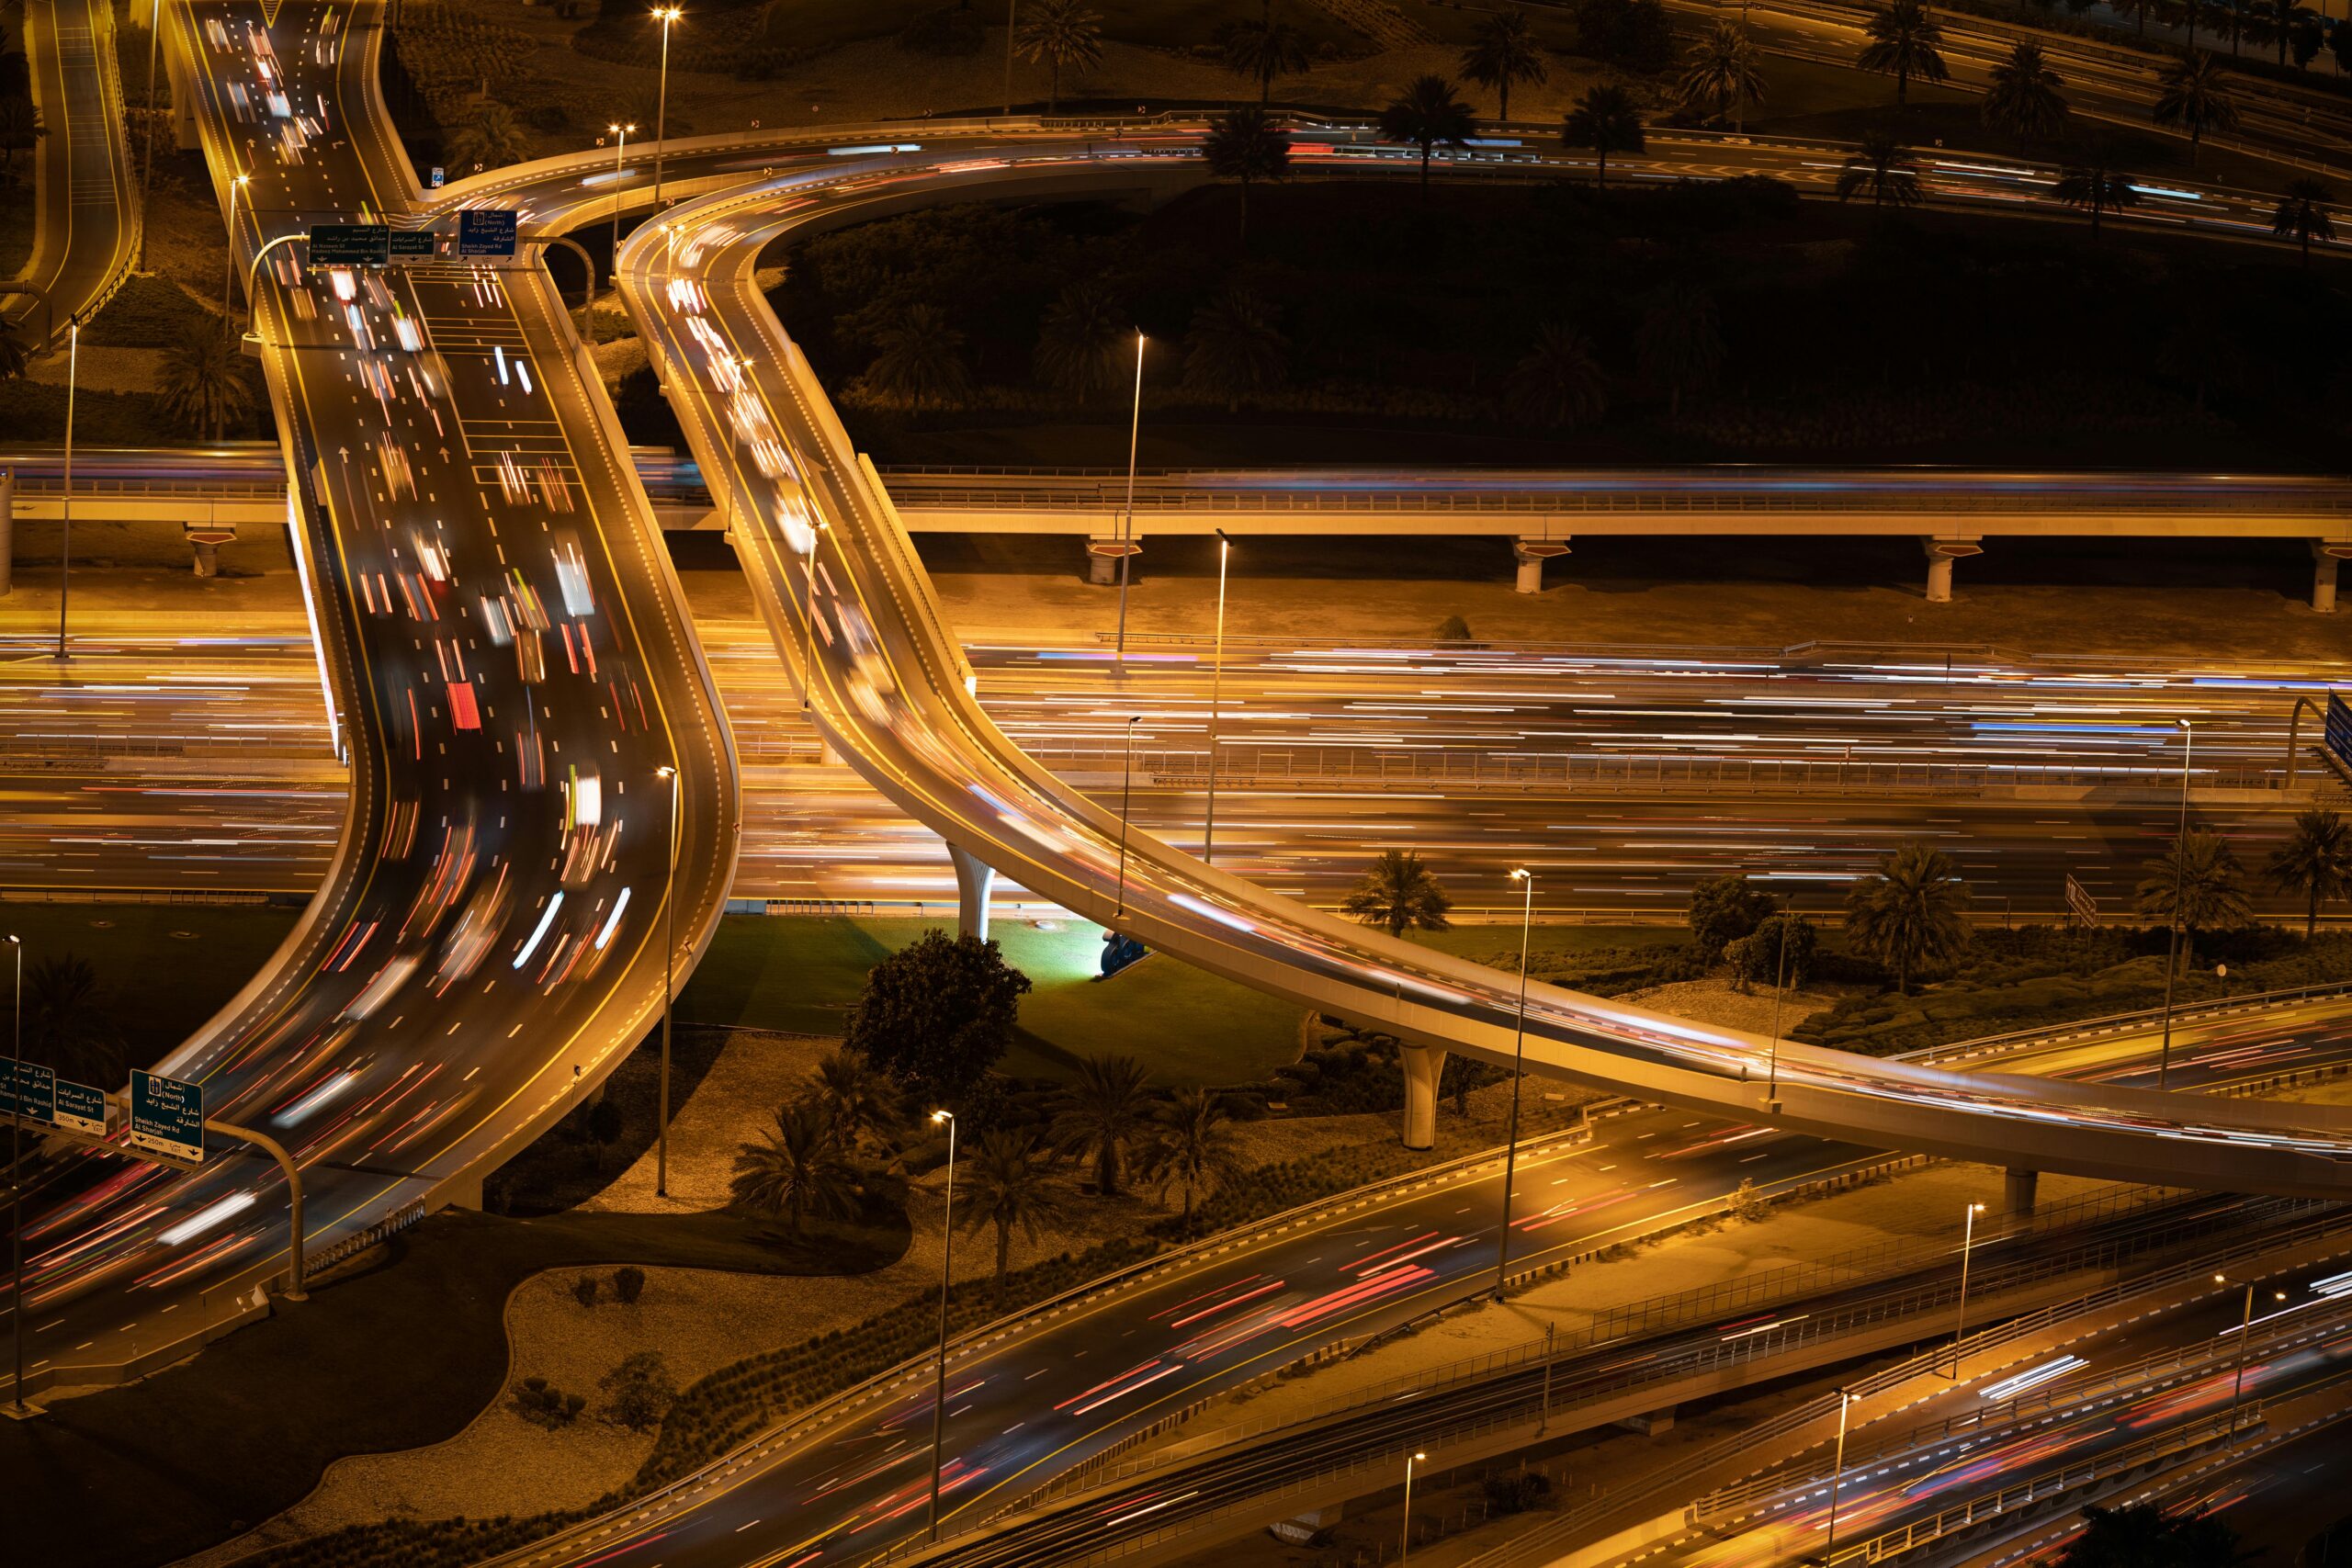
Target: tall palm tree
490,138
1722,73
1246,145
1397,894
21,127
2284,16
68,1026
858,1097
1504,51
1059,34
2302,215
1080,338
1906,913
2192,96
2189,10
1234,348
1100,1113
1606,120
1903,39
2095,187
2212,890
1193,1147
1679,342
921,359
1262,50
1885,168
203,384
795,1171
2315,861
2138,10
2023,98
1426,114
1558,382
2229,19
1008,1188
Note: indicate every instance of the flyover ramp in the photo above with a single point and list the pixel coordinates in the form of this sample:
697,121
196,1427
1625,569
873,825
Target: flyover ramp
888,685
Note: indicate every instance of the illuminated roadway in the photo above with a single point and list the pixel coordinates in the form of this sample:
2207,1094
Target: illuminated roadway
87,216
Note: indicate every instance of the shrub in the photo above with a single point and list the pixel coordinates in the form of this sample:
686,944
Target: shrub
584,1290
628,1284
638,1392
1515,1491
543,1405
1453,628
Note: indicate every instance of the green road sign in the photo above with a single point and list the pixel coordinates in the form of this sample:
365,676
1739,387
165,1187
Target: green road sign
350,245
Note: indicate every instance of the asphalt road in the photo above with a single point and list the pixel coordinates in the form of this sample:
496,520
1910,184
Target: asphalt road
86,229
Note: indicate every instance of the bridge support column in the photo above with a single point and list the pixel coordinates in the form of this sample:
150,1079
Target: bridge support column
1941,553
2017,1192
7,531
2327,555
975,878
1102,558
1651,1425
1422,1068
1531,555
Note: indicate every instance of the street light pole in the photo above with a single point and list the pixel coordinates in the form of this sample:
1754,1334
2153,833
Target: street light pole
1216,695
1518,1072
65,557
946,1265
1128,525
229,262
1780,981
1959,1327
666,14
1405,1549
619,149
1837,1470
2246,1334
668,962
809,653
16,1202
2179,861
147,163
1126,796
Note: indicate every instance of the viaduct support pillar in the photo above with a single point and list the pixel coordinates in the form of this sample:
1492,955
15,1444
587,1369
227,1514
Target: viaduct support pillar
1423,1066
7,531
2327,555
1941,553
1531,555
975,879
2017,1192
1102,558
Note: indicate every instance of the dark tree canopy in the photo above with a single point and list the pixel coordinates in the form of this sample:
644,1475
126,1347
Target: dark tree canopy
2145,1536
938,1014
1724,910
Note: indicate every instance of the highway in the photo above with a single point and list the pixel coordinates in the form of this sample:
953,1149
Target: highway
511,664
86,212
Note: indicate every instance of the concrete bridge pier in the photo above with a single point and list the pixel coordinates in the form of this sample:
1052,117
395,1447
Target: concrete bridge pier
975,879
1941,553
1102,558
2327,555
1423,1066
2017,1192
1531,555
7,531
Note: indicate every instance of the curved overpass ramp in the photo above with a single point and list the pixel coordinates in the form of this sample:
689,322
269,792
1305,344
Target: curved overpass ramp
86,210
888,685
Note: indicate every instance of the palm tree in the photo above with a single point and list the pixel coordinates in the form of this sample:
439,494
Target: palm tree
2284,16
1906,913
68,1027
2315,861
795,1171
1398,892
1885,168
2229,19
1559,382
2189,10
1245,144
1100,1114
2193,96
1504,51
1059,33
1721,75
204,385
2097,188
857,1099
1007,1188
1606,120
1903,39
2138,10
21,127
1428,114
2023,99
490,138
2212,890
1233,349
1678,342
2303,214
1262,50
1193,1148
1080,338
921,359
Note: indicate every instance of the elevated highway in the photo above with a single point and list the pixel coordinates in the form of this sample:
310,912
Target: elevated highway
86,211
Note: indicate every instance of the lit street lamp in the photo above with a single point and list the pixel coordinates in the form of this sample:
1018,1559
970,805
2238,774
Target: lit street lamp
1128,525
665,15
1217,693
65,557
619,147
1837,1470
947,1264
809,652
1959,1328
2179,862
229,262
1780,982
1518,1067
668,962
147,162
1406,1550
1126,797
2246,1334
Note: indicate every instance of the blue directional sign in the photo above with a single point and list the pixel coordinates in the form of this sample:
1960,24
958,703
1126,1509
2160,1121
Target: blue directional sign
28,1089
167,1117
438,176
486,231
2339,728
81,1107
350,245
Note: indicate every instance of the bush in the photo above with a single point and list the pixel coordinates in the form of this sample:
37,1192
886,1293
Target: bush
1725,909
584,1290
1515,1491
548,116
1781,949
543,1405
638,1392
628,1284
1453,628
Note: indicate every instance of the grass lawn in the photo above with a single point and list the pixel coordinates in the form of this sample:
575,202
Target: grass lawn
164,968
148,312
1450,22
174,1457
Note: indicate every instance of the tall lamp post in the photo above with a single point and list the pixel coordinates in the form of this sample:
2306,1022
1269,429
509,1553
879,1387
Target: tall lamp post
2179,862
1217,697
2246,1334
16,1204
1012,9
65,556
147,162
946,1266
809,653
1779,984
1404,1549
229,264
621,146
1837,1470
665,15
1517,1065
1127,797
1127,524
668,962
1959,1327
